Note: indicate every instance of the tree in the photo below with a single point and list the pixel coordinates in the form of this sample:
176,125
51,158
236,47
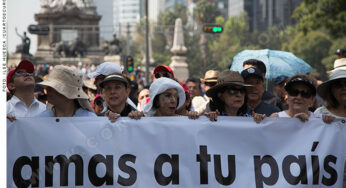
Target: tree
235,38
167,19
329,15
312,48
328,61
205,12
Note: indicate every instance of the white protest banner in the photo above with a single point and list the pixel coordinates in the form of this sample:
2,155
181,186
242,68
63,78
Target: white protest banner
175,152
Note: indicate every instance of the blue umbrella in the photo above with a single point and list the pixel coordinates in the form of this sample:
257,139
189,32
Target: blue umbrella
277,62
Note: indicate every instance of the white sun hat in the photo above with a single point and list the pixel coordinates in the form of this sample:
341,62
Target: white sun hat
106,68
159,86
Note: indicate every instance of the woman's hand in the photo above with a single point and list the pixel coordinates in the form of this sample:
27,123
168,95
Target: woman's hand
258,117
302,116
328,118
192,115
112,116
136,115
212,115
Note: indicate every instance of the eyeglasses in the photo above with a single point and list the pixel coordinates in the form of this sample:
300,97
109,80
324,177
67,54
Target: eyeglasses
234,91
211,84
295,92
165,74
22,73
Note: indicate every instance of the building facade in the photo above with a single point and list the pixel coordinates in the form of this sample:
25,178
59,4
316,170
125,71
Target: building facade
263,14
126,12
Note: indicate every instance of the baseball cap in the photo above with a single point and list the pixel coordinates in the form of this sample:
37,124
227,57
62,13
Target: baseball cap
251,72
106,68
114,77
163,68
24,64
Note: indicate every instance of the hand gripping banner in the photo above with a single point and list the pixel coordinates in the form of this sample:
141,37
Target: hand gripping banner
175,152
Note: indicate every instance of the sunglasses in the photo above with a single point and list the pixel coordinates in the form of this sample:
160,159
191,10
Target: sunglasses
339,83
165,74
99,103
295,92
211,84
234,91
22,73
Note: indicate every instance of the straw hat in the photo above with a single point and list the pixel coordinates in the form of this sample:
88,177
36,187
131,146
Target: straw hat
227,78
210,76
68,81
90,83
338,64
324,88
159,86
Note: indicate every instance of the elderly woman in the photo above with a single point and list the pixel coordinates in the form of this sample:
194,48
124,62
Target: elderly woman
65,93
333,93
301,90
229,97
166,97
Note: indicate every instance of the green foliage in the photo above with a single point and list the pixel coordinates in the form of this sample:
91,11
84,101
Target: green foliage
320,31
329,15
169,17
235,38
206,12
312,48
328,61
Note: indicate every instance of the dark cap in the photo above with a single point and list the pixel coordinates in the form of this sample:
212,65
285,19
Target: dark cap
251,72
114,77
340,51
302,80
280,79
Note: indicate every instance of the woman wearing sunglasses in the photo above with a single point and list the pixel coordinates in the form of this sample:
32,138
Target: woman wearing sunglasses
229,97
301,90
333,93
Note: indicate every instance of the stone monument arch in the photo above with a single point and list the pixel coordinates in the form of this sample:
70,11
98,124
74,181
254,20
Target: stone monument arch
68,20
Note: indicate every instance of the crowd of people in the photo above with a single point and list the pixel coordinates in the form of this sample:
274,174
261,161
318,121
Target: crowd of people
104,90
66,91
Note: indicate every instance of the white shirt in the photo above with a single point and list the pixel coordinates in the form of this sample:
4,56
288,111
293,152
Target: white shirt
80,112
284,114
18,108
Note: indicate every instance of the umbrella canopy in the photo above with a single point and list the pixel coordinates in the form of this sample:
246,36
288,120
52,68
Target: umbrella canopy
277,62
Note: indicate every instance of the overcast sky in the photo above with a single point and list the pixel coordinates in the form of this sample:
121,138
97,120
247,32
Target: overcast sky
20,14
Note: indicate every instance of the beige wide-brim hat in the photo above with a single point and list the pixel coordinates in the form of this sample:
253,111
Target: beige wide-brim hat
159,86
68,81
324,89
338,64
227,78
210,76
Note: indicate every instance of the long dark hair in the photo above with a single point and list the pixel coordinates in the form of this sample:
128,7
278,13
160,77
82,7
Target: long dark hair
217,104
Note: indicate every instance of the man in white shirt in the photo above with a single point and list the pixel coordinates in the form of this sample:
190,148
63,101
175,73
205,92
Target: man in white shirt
21,84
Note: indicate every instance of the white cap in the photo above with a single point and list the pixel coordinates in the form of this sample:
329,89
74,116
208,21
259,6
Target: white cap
106,69
159,86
